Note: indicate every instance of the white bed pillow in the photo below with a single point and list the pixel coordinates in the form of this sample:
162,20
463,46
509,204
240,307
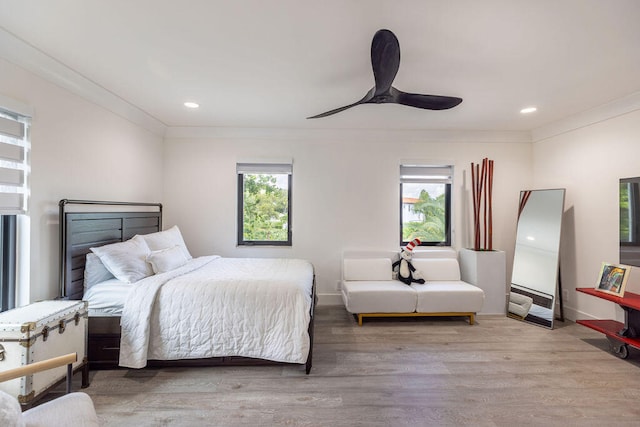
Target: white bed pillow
167,259
167,239
95,271
127,261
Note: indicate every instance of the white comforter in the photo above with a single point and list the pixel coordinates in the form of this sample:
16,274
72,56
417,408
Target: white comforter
213,307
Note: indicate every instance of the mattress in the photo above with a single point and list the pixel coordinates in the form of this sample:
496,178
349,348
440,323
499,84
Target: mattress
107,298
217,307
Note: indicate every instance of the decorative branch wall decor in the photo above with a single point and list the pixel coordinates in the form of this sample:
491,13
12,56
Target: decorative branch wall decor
482,191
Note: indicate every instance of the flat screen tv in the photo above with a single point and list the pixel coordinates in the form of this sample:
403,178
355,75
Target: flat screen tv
630,221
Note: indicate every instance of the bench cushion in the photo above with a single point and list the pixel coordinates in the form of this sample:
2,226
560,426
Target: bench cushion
434,252
367,269
437,268
448,296
390,296
519,304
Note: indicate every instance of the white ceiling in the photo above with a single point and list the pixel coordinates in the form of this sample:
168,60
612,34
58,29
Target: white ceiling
270,64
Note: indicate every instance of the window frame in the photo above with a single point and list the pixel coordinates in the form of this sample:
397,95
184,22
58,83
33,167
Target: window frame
262,169
8,264
428,174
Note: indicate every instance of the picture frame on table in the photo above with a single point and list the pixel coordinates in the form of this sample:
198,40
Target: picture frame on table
613,278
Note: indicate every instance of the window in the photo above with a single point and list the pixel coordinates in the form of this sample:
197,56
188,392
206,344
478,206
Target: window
425,204
14,194
264,203
629,208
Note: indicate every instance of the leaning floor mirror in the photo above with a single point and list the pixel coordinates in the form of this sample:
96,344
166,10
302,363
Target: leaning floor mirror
534,280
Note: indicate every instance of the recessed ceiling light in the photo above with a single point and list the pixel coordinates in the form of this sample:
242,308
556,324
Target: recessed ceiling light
189,104
528,110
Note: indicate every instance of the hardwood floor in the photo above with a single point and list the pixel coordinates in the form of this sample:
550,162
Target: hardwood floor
414,372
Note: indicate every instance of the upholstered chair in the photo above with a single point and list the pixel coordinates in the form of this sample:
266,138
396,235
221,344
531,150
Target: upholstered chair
72,409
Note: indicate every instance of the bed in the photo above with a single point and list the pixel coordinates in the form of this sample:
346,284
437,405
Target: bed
152,304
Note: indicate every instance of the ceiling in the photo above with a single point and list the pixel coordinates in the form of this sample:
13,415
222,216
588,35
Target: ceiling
271,64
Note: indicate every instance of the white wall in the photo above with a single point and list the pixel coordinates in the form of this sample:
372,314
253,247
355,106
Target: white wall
345,189
589,162
345,192
79,151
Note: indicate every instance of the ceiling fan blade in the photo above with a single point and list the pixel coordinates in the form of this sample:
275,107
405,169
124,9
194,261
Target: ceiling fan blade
385,59
337,110
364,100
427,102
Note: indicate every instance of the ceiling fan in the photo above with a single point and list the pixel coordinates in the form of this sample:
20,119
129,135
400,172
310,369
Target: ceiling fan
385,61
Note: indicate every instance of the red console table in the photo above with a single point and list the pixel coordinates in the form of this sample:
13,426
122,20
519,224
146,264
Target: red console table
620,335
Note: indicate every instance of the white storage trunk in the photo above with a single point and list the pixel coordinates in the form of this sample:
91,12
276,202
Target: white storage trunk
40,331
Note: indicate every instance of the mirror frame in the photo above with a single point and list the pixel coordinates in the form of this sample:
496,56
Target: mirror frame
530,304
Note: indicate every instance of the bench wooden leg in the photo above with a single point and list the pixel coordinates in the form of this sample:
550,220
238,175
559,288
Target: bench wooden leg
471,319
85,375
359,319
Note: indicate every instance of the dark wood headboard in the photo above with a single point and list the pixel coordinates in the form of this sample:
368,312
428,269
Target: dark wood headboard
104,224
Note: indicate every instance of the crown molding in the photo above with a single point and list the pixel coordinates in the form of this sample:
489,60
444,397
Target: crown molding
28,57
346,135
589,117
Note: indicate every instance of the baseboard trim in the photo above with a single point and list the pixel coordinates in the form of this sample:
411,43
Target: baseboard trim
330,299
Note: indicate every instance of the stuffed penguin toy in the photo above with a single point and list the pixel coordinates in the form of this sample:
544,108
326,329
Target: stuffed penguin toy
407,273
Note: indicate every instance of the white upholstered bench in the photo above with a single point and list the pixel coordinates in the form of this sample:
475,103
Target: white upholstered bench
368,288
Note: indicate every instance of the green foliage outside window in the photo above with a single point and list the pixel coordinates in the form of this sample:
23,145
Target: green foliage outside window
625,235
265,208
432,226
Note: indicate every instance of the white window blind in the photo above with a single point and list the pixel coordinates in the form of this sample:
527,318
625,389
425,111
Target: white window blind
264,168
424,173
14,163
